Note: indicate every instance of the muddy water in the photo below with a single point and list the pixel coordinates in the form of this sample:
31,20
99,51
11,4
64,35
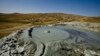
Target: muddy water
71,34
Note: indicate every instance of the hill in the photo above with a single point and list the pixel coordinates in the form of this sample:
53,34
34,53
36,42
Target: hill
14,21
46,17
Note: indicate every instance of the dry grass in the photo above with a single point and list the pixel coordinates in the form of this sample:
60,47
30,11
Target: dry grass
7,31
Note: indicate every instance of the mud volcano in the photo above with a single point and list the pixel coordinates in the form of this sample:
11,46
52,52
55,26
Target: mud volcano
51,41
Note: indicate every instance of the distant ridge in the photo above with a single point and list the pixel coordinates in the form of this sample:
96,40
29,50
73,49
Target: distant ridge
50,13
47,17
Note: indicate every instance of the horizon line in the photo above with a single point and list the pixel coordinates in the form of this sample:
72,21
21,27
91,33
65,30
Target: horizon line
46,13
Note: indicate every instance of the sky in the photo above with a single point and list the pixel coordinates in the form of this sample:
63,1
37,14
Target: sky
79,7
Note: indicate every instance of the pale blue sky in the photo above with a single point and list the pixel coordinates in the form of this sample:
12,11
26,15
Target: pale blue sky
80,7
